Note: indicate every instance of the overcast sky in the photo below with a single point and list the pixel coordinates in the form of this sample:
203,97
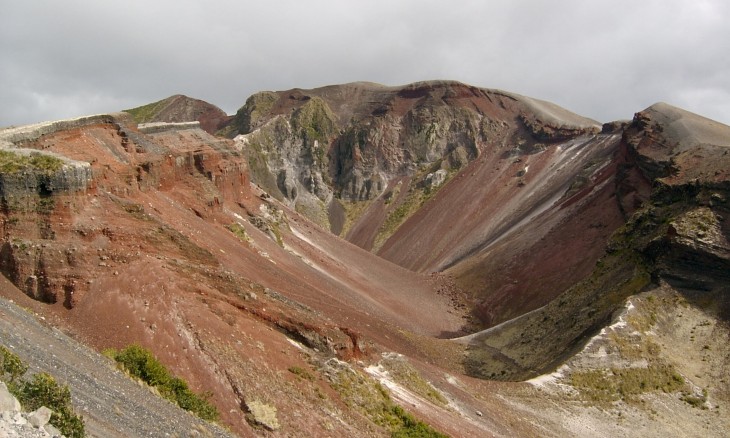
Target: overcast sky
601,59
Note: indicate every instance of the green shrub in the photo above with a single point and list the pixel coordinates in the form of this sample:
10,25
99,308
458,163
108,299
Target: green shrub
177,390
41,390
11,364
372,399
239,231
411,427
142,364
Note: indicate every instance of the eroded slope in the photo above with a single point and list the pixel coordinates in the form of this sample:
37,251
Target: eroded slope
167,244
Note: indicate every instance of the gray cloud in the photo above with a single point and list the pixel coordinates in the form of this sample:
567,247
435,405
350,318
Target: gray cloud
604,60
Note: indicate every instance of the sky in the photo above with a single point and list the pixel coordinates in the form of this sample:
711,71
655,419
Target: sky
601,59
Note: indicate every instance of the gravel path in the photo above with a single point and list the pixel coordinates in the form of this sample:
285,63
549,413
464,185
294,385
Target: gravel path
112,404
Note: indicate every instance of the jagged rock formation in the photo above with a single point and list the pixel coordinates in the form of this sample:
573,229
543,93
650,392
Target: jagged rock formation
317,149
39,202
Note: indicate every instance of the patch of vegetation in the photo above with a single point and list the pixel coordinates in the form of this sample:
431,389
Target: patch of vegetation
646,318
277,233
353,212
41,390
302,373
146,113
403,372
11,365
373,400
314,121
12,163
696,401
142,364
634,348
239,231
609,385
418,195
411,427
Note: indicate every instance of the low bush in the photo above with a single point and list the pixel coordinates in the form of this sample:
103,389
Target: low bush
412,428
11,364
142,364
41,390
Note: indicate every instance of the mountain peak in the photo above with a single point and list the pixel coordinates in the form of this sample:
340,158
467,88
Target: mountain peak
180,108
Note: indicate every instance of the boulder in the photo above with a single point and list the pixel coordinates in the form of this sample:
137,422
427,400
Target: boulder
8,402
40,417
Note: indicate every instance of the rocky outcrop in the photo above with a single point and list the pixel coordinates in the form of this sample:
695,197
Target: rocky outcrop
37,171
21,134
16,423
677,235
49,170
315,149
154,127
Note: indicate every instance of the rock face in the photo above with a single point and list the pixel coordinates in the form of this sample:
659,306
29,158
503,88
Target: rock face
350,143
439,176
673,187
38,201
170,244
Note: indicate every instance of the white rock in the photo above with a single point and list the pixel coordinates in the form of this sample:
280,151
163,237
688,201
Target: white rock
40,417
8,402
52,431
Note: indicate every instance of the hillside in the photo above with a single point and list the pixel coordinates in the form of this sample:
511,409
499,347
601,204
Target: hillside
179,108
442,175
486,237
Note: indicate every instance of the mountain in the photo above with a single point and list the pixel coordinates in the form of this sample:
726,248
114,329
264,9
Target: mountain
179,108
494,264
443,176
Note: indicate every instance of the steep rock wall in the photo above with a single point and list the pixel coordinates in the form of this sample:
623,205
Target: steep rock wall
327,149
69,164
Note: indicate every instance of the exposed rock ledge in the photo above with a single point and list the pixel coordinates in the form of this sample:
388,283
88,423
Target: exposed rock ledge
72,176
151,128
15,135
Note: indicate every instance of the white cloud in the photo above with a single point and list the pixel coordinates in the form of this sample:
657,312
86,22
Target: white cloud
604,60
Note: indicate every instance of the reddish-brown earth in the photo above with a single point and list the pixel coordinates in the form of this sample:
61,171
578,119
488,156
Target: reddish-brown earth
146,257
170,244
530,199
